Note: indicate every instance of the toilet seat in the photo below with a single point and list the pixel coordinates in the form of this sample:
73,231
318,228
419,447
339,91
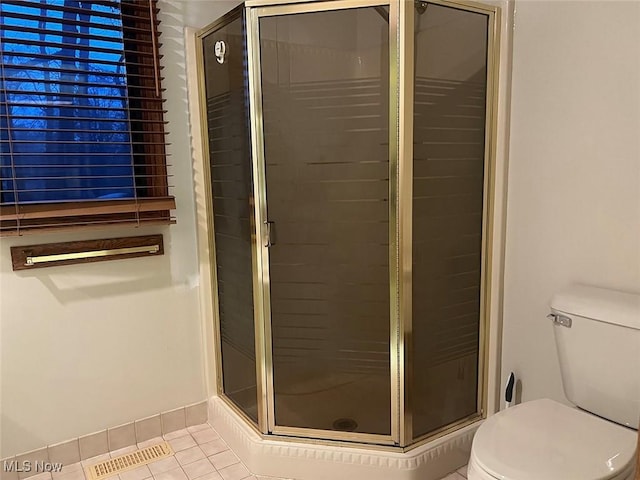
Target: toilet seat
544,439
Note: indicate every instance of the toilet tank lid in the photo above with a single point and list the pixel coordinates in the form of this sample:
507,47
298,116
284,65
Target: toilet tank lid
600,304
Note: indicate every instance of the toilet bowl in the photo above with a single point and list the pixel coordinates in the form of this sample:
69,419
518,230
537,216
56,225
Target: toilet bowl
546,440
597,335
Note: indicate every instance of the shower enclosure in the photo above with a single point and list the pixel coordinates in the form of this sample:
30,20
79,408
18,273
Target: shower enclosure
349,147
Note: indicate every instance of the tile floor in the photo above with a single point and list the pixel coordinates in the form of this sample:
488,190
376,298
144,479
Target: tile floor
459,474
200,454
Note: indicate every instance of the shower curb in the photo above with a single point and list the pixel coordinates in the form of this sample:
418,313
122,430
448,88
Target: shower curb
309,461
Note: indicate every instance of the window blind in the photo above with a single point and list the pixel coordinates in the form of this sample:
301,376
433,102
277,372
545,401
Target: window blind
82,130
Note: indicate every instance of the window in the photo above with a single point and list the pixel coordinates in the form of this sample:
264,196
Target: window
82,139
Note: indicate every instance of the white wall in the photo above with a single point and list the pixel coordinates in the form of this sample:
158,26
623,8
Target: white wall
86,347
574,170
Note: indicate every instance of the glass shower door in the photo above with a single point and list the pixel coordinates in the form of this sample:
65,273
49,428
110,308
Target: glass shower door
449,165
325,88
224,60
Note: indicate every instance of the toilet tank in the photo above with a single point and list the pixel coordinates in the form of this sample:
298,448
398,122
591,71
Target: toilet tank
597,335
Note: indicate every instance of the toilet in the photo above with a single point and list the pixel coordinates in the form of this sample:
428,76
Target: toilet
597,335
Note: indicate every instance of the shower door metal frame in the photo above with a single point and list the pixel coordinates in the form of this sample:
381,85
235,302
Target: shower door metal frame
401,82
255,11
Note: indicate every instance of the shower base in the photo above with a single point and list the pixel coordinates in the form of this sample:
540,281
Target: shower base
321,460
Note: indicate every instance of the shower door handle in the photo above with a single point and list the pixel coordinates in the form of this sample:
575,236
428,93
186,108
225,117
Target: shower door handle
271,234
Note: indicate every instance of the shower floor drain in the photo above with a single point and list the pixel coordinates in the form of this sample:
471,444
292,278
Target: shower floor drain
345,424
129,461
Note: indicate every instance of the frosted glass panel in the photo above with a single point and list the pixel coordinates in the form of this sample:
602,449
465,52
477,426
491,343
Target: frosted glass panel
448,169
326,110
230,157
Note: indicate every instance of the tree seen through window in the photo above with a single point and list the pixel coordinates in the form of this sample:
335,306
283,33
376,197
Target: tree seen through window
65,131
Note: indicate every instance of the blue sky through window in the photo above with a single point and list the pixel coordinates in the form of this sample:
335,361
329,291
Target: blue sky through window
63,103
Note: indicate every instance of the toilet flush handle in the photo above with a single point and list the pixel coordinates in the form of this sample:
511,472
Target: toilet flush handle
560,319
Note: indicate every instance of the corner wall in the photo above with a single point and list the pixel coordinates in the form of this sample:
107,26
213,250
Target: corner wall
86,347
574,171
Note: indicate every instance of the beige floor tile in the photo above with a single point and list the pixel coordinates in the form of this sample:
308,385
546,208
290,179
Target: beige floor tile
75,474
216,446
175,474
139,473
224,459
453,476
176,434
182,443
73,467
262,477
41,476
463,471
204,436
189,455
198,468
234,472
211,476
197,428
164,465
